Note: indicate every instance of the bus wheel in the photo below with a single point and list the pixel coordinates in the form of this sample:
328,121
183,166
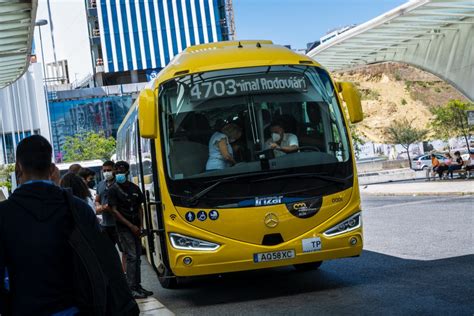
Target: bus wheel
308,266
168,280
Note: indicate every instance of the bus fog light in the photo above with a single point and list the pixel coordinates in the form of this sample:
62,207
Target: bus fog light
351,223
353,241
190,243
187,261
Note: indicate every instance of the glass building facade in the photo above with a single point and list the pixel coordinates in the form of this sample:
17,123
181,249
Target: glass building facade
99,115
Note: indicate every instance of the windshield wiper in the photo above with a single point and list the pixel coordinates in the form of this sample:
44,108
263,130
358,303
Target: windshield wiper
313,175
195,198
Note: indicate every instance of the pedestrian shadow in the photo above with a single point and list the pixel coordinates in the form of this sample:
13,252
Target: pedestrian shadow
372,276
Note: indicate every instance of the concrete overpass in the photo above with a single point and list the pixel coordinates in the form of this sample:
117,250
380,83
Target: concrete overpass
434,35
17,24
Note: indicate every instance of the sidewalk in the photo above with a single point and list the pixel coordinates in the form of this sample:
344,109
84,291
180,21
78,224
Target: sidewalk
445,187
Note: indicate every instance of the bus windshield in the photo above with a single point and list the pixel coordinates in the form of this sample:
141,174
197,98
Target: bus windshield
247,120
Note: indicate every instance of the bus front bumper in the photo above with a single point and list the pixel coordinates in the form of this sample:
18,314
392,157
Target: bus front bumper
235,255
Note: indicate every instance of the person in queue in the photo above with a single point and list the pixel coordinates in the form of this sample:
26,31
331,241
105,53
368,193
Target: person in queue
74,168
456,164
281,142
35,223
108,224
78,188
221,154
88,176
125,199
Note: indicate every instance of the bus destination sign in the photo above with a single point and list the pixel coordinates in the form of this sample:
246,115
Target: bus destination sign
276,83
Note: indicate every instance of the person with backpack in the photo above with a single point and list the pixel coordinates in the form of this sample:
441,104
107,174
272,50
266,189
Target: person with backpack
125,199
52,248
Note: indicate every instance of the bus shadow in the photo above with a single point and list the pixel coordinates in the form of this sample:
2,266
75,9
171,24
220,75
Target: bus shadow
384,278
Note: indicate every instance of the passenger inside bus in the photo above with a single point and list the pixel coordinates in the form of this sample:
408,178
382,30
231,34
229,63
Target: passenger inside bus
312,132
221,154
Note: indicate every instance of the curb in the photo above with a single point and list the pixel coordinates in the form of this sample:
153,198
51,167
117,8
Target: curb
416,193
151,306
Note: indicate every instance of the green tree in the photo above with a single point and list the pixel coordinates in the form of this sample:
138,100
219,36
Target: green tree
402,132
87,146
357,139
450,120
5,179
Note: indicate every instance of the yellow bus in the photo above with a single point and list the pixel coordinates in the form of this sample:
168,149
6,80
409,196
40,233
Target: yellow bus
288,194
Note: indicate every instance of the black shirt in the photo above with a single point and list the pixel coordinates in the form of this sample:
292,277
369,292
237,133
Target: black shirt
127,198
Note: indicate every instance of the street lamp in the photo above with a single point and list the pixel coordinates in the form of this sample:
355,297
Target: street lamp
39,24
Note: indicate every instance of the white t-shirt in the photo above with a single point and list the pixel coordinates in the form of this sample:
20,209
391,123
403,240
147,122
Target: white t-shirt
287,141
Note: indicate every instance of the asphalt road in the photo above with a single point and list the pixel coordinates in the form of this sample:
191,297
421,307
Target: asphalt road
418,259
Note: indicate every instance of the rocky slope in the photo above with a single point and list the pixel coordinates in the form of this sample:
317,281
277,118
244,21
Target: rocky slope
393,91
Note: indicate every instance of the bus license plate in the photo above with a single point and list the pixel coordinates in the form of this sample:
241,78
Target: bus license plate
273,256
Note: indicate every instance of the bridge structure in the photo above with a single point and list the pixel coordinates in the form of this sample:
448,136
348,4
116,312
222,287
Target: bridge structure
434,35
17,23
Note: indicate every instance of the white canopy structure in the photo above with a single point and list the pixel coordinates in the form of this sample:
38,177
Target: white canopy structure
17,22
434,35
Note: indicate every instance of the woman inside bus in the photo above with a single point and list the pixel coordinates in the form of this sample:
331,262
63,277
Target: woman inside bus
221,155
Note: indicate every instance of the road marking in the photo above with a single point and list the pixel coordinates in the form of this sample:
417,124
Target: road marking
150,306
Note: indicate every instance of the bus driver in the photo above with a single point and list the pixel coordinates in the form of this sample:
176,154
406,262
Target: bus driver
282,143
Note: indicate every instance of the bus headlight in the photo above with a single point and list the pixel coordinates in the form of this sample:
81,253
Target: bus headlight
189,243
351,223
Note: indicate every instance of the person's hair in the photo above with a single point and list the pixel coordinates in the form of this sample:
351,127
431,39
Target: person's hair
76,184
433,155
74,168
109,163
457,153
122,164
448,155
34,154
85,172
231,130
279,123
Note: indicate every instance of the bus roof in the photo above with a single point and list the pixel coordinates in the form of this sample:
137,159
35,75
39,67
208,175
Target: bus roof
84,164
230,54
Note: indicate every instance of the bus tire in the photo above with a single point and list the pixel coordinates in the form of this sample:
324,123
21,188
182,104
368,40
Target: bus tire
308,266
168,280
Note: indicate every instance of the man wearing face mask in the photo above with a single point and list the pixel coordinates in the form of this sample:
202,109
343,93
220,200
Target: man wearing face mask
282,143
125,199
102,201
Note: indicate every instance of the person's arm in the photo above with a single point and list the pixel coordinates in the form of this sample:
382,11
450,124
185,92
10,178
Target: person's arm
99,208
134,229
222,145
292,146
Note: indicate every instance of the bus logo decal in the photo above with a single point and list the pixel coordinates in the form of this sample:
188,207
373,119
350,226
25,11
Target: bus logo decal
271,220
265,201
305,209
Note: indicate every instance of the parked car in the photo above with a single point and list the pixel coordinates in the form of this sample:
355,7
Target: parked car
424,161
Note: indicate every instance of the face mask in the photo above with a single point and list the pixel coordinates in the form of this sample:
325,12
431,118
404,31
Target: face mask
120,178
91,184
276,137
108,175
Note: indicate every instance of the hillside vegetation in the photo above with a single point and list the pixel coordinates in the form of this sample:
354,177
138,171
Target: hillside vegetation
391,91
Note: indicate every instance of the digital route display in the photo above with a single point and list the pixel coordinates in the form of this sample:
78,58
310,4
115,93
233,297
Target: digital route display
269,83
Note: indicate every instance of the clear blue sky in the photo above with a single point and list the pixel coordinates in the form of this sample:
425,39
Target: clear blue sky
297,22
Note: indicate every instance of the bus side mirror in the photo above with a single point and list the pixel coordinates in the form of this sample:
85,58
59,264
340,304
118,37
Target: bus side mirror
352,99
148,114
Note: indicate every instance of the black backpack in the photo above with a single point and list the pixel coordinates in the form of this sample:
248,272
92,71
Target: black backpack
100,286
